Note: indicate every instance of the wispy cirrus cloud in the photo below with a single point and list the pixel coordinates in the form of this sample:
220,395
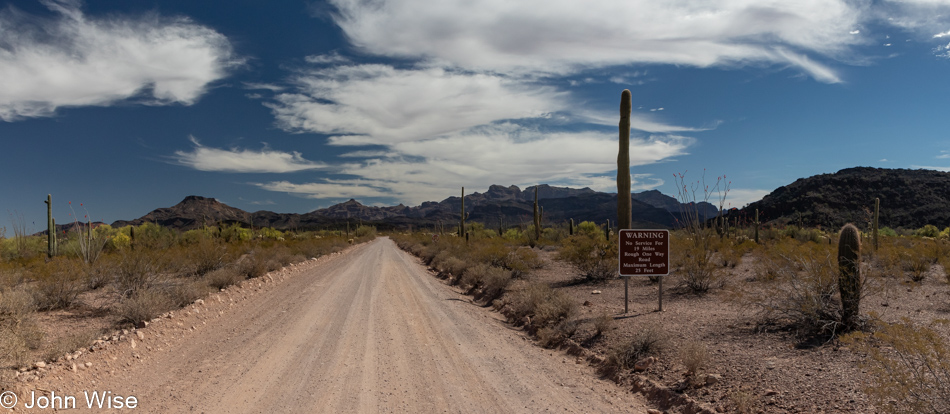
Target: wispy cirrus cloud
204,158
570,36
379,104
77,60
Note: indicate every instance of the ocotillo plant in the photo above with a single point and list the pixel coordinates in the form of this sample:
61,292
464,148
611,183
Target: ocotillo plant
877,215
462,222
49,226
537,216
849,280
624,212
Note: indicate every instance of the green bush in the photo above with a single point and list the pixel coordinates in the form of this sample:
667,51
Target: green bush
593,257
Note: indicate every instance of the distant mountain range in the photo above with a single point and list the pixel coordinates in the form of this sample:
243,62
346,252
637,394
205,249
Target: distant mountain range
909,199
508,206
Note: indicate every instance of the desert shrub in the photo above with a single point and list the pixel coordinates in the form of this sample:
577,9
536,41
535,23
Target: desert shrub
553,336
945,265
224,277
694,263
18,329
58,283
803,289
918,266
594,258
743,402
602,324
514,235
252,265
186,291
202,256
538,304
137,269
234,233
490,281
694,356
522,260
927,231
886,231
368,232
151,236
143,305
590,229
650,340
909,366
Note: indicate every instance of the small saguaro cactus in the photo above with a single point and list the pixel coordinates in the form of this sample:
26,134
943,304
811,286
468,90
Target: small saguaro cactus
849,279
624,211
462,222
49,226
571,232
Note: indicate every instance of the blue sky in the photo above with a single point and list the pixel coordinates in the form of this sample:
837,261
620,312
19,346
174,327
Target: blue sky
292,106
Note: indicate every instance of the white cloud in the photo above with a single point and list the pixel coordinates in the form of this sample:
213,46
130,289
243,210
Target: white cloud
243,160
560,37
495,154
328,59
327,189
944,154
77,60
379,104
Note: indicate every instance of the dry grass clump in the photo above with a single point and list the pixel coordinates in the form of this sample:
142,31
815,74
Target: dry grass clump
694,262
138,269
695,357
650,340
602,324
18,330
743,402
57,283
909,366
143,305
224,277
537,305
487,282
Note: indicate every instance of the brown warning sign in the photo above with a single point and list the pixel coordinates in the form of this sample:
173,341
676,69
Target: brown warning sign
644,252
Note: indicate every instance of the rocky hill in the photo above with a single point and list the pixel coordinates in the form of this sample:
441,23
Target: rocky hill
509,206
909,199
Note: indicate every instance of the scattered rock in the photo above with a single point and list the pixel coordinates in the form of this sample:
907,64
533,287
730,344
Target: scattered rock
587,303
644,364
141,324
140,335
770,392
596,292
40,364
72,367
132,343
88,364
654,411
713,379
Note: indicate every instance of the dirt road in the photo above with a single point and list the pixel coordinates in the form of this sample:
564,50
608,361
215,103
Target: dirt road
364,331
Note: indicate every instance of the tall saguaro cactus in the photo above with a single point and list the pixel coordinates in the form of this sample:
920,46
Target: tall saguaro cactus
849,279
51,231
462,222
624,213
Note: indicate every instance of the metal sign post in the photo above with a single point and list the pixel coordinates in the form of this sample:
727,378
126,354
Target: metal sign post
644,252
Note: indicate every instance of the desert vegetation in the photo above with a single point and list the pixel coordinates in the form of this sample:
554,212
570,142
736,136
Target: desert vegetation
804,289
125,276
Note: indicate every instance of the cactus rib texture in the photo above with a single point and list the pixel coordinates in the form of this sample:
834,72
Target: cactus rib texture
624,212
849,279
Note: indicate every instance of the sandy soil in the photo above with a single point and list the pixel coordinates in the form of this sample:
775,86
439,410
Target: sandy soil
367,330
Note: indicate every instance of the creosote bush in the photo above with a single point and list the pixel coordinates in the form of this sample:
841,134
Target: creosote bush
909,366
649,340
593,256
695,357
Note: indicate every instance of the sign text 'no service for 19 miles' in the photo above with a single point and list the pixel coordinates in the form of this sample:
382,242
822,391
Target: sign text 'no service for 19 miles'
644,252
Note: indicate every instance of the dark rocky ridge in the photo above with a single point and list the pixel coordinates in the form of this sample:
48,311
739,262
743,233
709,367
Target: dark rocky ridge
909,199
508,205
